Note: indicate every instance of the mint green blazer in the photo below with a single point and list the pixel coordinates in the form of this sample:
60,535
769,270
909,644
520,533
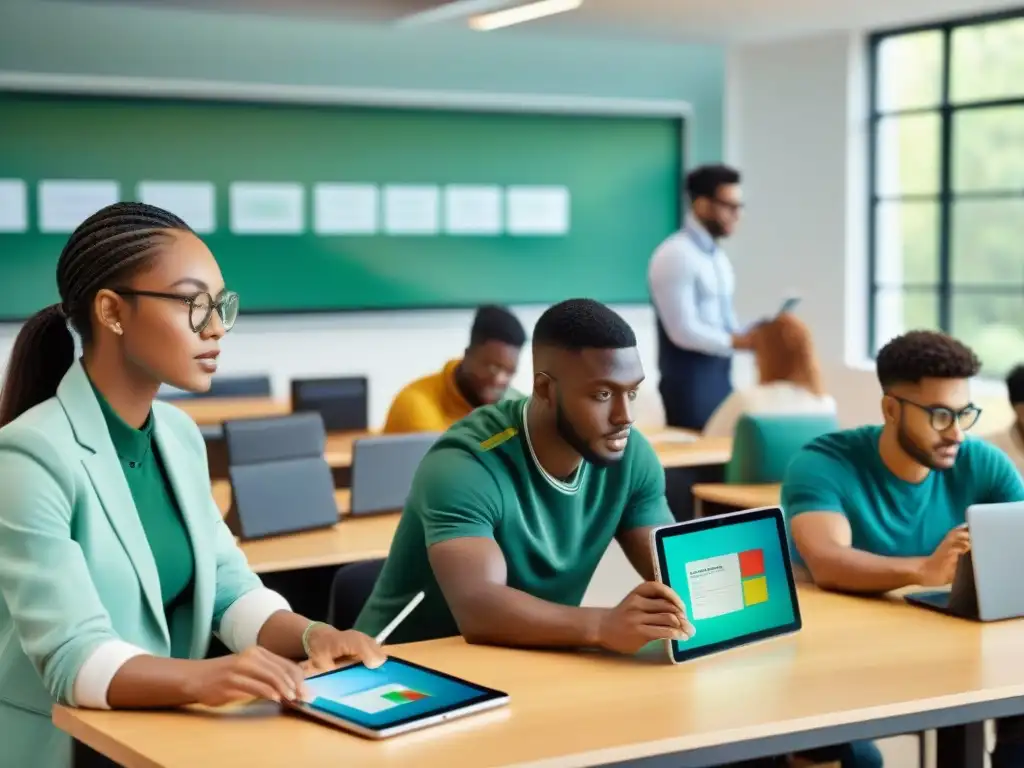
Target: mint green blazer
76,569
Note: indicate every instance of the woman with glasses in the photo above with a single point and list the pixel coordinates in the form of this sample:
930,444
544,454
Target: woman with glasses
115,565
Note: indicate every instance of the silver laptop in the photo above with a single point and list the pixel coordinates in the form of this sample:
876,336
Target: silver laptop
986,584
383,468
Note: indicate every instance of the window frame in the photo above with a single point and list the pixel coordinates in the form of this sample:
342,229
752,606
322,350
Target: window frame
944,197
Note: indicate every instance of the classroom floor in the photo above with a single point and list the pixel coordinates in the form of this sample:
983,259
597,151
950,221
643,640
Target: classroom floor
615,577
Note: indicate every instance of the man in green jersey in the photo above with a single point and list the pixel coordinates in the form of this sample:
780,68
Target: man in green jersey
514,506
878,508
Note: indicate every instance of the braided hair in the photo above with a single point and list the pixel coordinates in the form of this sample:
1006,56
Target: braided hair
110,246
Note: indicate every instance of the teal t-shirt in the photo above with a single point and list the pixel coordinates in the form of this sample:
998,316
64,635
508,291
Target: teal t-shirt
480,479
844,472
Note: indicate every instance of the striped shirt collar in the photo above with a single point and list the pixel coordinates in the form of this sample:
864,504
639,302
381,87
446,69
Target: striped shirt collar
559,485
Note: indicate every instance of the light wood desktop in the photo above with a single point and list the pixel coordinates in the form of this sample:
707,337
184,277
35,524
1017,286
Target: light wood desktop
210,411
674,452
213,411
672,448
352,540
738,496
856,661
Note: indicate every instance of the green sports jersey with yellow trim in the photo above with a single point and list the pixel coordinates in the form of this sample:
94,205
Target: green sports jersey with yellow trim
480,479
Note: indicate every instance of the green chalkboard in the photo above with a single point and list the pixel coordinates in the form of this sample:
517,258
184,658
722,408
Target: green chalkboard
623,175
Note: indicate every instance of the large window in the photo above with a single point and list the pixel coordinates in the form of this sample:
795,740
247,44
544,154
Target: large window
947,185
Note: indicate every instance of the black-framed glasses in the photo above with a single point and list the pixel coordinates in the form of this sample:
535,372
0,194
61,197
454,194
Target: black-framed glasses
201,306
728,205
943,418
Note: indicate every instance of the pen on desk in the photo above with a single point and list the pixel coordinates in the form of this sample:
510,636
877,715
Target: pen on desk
384,633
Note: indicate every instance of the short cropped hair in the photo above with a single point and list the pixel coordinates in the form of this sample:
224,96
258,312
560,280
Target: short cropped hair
1015,385
577,324
705,180
494,323
925,355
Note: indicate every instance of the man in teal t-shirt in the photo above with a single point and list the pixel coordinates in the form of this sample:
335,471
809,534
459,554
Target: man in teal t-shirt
514,506
879,508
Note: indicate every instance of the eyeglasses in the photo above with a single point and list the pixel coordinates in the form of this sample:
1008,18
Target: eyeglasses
201,306
728,205
943,418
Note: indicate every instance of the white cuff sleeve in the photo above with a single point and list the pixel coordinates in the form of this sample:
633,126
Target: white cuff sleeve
94,676
242,621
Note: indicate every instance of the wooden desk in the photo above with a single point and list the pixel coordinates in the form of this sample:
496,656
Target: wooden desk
738,496
352,540
339,446
675,453
366,538
213,411
834,681
672,451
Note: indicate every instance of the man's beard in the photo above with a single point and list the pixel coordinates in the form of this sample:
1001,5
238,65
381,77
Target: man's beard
713,228
465,387
921,455
568,433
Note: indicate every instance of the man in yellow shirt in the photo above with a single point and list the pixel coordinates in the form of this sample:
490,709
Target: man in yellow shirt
481,377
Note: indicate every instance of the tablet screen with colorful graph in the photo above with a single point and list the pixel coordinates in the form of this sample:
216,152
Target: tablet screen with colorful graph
394,693
734,577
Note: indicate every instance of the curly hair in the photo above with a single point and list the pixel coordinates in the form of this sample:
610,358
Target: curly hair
925,355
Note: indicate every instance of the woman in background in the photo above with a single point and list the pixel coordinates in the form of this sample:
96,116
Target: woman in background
115,564
789,378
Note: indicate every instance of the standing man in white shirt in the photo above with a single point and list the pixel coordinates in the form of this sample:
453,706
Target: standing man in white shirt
692,283
1011,440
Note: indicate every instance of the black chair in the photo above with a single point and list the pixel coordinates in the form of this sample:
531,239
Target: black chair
280,481
343,403
350,590
228,386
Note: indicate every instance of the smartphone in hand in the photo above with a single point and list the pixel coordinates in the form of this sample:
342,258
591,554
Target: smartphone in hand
789,305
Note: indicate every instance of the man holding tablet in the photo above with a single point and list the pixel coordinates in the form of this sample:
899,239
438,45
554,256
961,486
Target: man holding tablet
513,507
880,508
733,575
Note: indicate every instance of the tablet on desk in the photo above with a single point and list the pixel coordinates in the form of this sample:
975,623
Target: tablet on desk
395,698
733,574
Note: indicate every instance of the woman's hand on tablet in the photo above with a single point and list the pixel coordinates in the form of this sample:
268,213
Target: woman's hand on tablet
652,611
253,673
328,646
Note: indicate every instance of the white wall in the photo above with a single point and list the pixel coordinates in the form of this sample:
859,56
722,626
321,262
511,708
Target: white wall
796,124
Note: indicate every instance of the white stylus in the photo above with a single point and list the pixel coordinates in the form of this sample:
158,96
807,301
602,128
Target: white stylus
400,618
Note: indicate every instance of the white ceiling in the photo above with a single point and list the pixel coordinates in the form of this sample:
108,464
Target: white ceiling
662,20
751,20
